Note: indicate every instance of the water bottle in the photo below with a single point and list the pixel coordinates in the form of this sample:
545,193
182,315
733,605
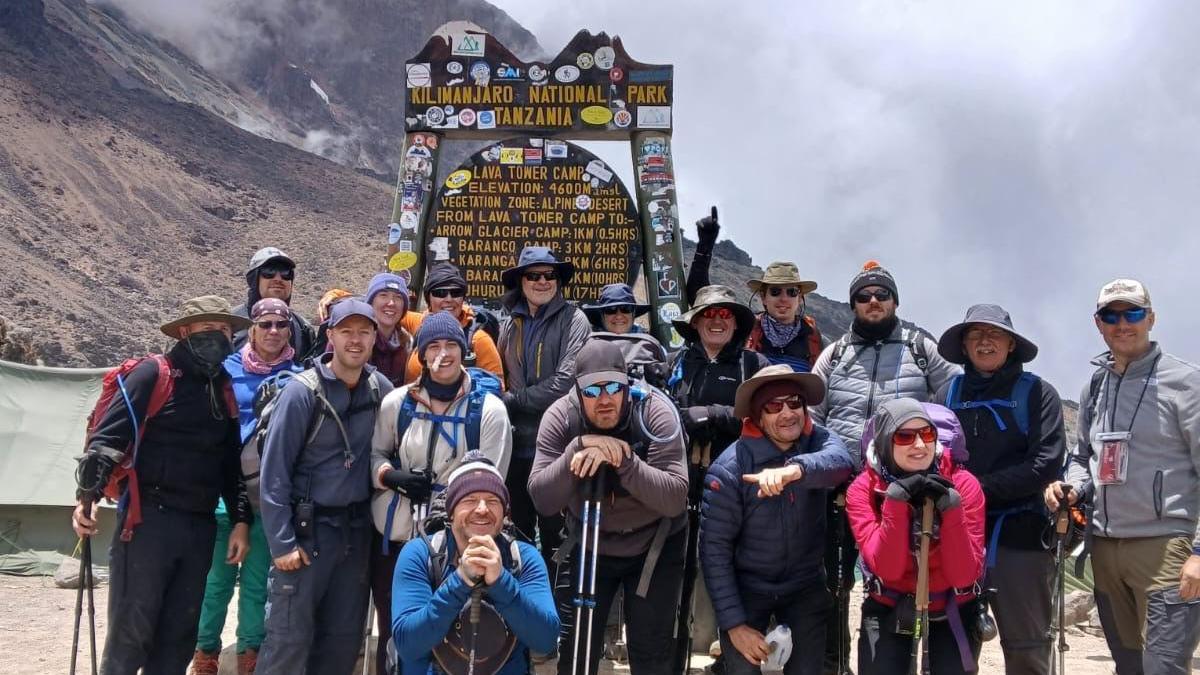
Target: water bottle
779,642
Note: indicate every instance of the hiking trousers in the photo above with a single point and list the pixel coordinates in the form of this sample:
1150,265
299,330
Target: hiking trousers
1022,607
650,621
383,567
883,651
841,558
548,529
805,612
250,577
157,587
316,614
1149,629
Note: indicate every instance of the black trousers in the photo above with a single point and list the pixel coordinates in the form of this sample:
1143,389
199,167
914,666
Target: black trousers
532,527
803,611
383,567
841,556
882,651
157,589
650,620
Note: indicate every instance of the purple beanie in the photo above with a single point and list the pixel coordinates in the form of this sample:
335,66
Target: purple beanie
477,474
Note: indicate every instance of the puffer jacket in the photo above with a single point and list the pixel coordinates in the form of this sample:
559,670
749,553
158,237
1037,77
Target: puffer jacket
870,372
772,545
539,362
1161,493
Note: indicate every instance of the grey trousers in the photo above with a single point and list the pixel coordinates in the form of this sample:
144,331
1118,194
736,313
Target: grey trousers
316,614
1022,607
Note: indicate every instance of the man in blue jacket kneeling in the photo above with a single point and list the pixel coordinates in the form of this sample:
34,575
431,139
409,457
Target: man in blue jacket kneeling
438,578
762,533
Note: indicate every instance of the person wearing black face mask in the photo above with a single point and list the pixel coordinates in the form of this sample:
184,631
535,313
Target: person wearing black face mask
187,457
422,433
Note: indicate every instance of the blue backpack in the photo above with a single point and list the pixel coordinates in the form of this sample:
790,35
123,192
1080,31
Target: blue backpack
483,382
1019,403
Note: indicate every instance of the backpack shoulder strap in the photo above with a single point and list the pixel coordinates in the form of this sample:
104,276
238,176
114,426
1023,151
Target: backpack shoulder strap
749,363
404,416
1021,391
915,341
475,401
436,564
954,393
839,350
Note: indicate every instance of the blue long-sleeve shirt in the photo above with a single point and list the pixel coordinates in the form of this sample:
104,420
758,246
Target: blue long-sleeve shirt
422,616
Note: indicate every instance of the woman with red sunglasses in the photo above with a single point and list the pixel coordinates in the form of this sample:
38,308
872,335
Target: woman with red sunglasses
906,464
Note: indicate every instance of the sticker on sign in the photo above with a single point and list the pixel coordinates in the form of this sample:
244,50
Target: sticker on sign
654,117
468,44
597,169
418,75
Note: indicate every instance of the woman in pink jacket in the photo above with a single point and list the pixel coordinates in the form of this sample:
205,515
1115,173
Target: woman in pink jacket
905,464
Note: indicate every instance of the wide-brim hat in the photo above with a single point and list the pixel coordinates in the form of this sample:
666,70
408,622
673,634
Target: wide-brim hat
614,295
714,296
537,255
813,389
950,344
782,274
204,308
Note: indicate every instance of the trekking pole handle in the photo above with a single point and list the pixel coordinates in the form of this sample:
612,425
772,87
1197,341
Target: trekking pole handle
1062,519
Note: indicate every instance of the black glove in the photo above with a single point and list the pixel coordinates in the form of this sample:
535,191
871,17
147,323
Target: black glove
707,229
941,489
907,488
94,471
695,418
417,486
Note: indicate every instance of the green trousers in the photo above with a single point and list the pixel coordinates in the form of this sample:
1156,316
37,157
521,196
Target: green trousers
251,575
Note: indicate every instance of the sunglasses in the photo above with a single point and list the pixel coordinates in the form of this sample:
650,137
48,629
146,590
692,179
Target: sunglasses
1112,316
287,274
619,309
723,313
775,406
448,293
909,436
776,291
278,325
538,276
610,388
863,297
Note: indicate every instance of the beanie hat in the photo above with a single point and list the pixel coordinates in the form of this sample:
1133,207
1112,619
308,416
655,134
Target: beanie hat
477,474
773,390
268,306
386,281
444,275
873,274
439,326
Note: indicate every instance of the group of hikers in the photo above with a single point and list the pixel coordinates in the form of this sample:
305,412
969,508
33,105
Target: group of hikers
498,489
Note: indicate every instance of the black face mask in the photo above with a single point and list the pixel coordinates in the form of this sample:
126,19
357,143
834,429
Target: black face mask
209,349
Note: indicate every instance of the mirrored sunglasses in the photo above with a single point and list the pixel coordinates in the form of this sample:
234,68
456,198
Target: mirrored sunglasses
1112,316
610,388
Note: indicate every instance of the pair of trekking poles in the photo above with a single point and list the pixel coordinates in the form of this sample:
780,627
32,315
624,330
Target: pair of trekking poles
589,553
87,581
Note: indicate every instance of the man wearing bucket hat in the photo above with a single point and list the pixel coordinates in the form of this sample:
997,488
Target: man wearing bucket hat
783,332
272,274
438,579
772,482
446,291
1014,429
186,459
538,344
315,486
1138,456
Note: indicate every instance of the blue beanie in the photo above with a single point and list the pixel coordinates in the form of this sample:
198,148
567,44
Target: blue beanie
439,326
386,281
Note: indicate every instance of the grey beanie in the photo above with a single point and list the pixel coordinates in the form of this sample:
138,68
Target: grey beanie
889,417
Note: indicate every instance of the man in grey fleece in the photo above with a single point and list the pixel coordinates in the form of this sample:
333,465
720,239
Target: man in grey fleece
603,427
1138,460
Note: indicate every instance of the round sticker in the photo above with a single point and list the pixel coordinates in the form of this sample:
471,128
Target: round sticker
480,69
466,117
596,114
454,67
418,75
668,311
623,118
585,61
409,220
616,74
583,202
458,179
394,232
402,260
448,109
435,116
567,73
537,72
605,56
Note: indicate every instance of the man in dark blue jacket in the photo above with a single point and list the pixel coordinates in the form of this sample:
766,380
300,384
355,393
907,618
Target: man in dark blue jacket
762,540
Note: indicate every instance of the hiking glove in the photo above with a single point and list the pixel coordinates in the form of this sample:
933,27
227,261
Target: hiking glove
416,486
942,491
695,418
707,229
94,471
905,489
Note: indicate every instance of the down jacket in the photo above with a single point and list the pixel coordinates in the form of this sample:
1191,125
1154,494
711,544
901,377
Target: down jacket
772,545
869,372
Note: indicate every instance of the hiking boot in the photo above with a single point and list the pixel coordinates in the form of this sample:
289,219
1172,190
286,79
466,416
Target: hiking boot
204,663
247,661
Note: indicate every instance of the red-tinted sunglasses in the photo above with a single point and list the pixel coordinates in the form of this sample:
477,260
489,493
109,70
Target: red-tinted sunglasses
723,313
775,405
909,436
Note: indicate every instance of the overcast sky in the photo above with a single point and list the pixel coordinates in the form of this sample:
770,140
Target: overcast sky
1022,153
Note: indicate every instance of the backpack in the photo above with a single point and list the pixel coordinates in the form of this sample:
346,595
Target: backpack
949,430
122,485
1019,403
911,339
645,357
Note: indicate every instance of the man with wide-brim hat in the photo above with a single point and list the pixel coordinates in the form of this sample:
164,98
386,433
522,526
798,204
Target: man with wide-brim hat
186,459
1016,445
615,310
538,345
783,332
772,482
704,378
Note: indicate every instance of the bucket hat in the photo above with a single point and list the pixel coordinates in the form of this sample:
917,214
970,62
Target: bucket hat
204,308
950,344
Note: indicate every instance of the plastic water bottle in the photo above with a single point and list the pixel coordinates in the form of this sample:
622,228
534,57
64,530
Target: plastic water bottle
779,642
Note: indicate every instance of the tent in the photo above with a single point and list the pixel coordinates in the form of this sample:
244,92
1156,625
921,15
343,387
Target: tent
43,419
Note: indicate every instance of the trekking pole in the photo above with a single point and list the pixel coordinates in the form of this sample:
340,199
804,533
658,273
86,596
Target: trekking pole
839,504
91,584
580,588
1062,526
683,620
598,495
476,601
921,634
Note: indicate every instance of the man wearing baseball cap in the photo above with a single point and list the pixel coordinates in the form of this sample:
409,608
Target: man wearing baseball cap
1138,462
315,489
272,274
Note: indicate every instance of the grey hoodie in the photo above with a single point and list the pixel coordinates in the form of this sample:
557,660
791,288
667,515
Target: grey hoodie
1161,493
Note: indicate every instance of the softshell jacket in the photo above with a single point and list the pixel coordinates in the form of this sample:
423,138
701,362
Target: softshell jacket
801,353
883,529
651,489
870,372
486,354
1161,493
1012,467
771,545
441,457
539,362
422,616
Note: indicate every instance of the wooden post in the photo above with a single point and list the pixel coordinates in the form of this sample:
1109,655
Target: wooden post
406,252
662,249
